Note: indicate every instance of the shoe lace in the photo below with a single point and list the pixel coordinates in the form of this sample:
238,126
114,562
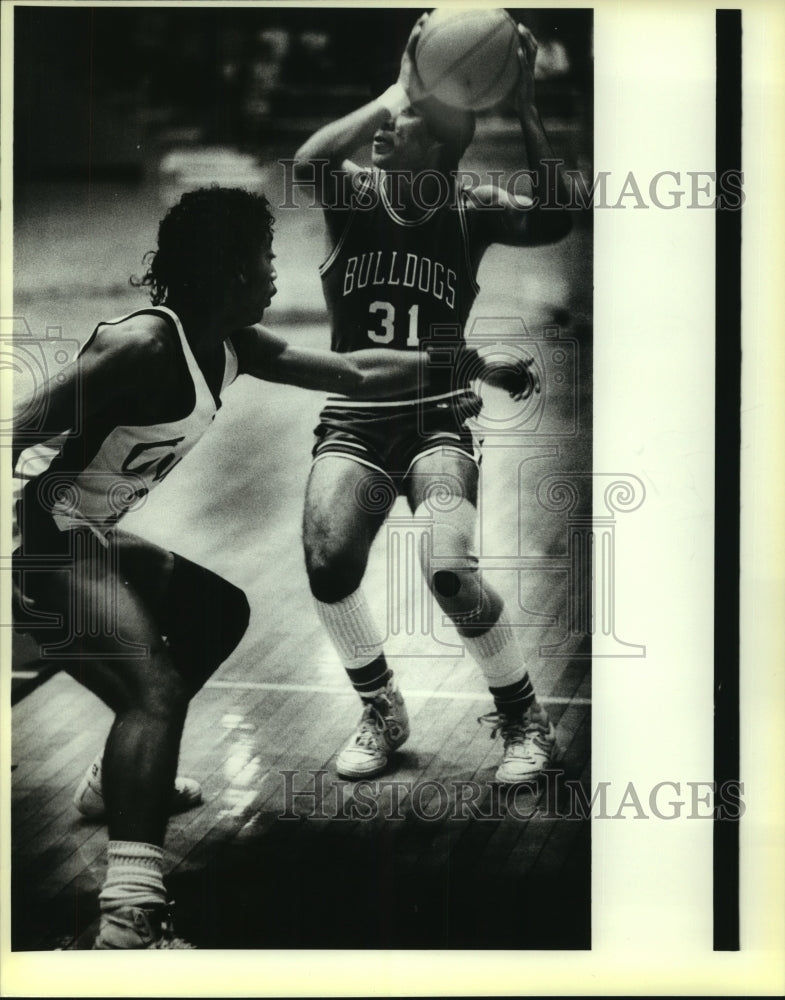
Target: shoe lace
168,938
371,723
516,731
172,943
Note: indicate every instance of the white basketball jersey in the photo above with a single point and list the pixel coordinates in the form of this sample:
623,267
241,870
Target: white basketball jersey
100,474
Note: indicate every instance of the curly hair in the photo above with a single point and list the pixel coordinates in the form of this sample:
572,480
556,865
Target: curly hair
205,242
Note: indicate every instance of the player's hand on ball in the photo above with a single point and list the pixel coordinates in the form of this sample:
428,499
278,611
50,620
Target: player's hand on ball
522,95
524,379
408,76
519,378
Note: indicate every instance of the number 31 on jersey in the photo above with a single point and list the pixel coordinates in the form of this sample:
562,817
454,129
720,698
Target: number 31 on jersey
384,312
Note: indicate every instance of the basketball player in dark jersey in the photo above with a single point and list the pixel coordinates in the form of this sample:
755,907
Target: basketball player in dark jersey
147,386
401,272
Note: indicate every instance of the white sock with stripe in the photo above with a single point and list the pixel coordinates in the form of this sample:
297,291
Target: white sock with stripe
358,641
499,656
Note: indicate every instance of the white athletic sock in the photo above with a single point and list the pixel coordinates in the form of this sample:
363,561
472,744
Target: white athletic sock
501,660
351,627
358,641
134,876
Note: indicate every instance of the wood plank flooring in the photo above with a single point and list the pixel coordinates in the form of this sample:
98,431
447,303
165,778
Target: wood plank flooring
431,854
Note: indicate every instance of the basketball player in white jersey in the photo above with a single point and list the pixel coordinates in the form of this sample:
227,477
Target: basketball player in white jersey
147,386
401,270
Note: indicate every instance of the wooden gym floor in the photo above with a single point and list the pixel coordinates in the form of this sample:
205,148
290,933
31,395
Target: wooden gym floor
405,864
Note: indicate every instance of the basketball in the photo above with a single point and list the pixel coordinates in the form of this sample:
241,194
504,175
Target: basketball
468,58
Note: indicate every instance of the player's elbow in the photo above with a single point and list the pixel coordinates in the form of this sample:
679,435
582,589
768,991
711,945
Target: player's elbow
544,226
303,166
549,226
309,161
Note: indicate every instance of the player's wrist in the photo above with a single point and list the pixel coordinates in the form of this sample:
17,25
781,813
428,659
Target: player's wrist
394,99
468,362
464,362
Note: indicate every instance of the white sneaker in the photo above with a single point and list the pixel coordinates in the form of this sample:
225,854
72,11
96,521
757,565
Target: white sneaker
89,796
130,927
383,727
529,744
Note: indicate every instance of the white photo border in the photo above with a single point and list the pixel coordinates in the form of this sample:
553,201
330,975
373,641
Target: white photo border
652,720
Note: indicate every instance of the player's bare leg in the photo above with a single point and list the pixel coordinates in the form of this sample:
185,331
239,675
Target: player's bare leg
202,616
149,697
345,505
477,610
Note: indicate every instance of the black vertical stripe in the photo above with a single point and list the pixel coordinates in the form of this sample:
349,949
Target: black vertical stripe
727,482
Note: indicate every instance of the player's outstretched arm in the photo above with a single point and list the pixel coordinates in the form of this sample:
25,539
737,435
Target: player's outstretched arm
524,221
364,374
367,374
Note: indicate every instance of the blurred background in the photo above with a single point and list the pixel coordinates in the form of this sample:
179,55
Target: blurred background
119,109
106,90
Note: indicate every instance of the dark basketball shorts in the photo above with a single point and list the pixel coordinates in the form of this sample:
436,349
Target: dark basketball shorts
41,548
392,437
65,569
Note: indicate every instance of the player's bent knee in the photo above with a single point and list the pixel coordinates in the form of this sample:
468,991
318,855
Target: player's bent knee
230,616
149,683
451,531
205,618
457,591
332,578
446,551
167,700
165,687
236,616
448,562
446,584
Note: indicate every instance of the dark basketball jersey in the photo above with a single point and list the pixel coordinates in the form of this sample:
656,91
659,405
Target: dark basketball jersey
95,477
400,283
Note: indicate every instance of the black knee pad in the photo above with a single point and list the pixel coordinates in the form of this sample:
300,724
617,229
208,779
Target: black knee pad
333,580
446,583
205,616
